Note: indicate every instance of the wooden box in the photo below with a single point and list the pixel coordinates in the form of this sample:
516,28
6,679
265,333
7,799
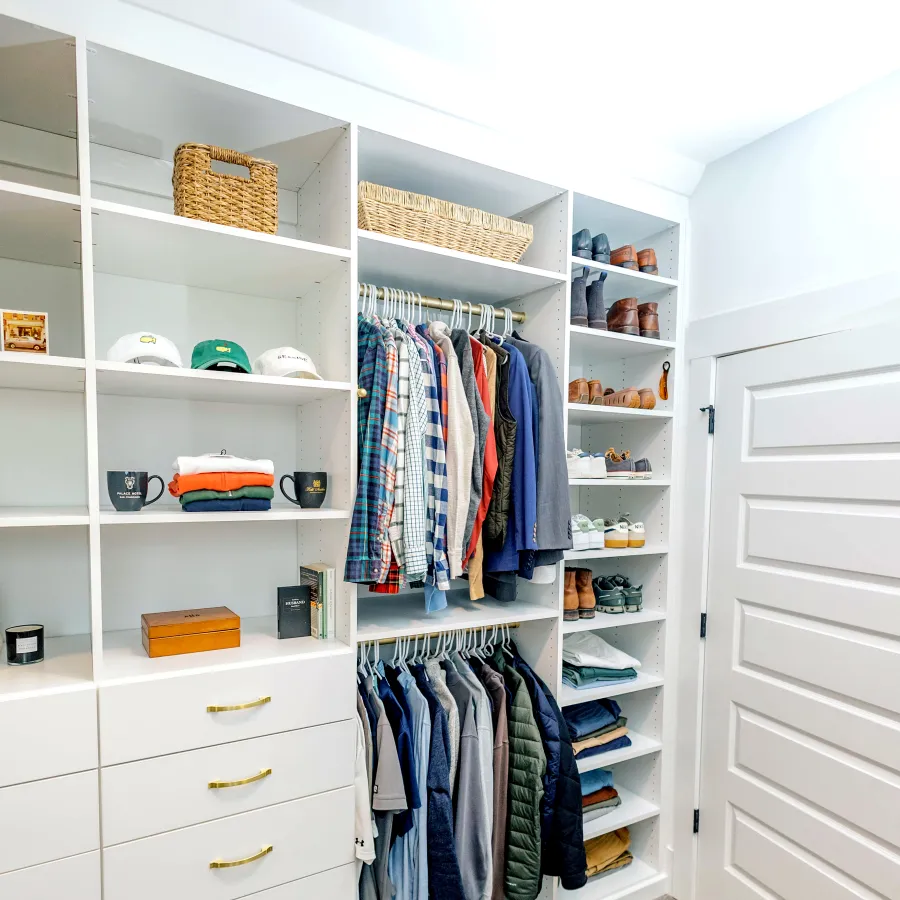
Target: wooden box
190,631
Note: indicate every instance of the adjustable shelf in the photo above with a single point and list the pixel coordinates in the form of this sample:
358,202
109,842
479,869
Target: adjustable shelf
587,343
174,515
20,371
613,620
585,414
66,666
42,516
649,549
620,482
638,881
633,809
640,746
569,696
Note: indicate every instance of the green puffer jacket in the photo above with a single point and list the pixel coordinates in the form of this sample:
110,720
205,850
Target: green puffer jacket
527,764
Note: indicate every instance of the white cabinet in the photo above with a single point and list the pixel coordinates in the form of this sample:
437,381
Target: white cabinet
330,885
75,878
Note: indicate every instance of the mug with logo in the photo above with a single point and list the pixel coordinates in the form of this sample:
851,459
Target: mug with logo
128,490
309,488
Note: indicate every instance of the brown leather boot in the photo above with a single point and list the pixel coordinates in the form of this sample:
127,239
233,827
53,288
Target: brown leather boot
623,317
570,598
648,398
648,320
579,391
626,257
587,603
647,262
596,390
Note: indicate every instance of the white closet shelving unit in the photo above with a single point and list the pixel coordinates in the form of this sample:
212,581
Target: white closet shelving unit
87,234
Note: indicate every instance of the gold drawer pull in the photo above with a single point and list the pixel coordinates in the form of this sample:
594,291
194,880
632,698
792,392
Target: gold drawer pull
265,773
222,864
261,702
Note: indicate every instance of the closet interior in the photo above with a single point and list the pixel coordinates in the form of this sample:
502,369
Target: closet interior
88,235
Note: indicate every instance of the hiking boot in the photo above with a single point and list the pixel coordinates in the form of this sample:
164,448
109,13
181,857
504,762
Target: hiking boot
619,466
596,309
648,319
623,318
581,244
570,597
633,595
600,248
647,262
642,468
579,314
587,604
579,391
609,596
626,257
616,535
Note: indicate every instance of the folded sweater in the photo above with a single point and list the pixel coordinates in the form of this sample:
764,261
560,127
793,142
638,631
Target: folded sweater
578,746
581,678
247,505
221,462
256,492
589,649
217,481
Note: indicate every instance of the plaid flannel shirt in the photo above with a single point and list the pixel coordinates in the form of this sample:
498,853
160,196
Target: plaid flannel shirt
397,514
388,456
414,530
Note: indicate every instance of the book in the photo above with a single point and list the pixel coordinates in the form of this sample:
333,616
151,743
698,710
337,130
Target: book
320,578
294,612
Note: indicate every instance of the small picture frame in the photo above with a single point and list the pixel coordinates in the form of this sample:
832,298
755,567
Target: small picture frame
24,331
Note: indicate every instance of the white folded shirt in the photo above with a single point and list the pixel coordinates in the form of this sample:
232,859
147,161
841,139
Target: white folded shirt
219,462
587,649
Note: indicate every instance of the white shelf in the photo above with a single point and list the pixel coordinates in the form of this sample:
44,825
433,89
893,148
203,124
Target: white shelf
620,482
383,616
649,549
587,344
124,658
437,272
42,516
131,380
614,620
621,282
66,667
640,746
166,515
638,881
38,372
155,246
585,414
633,809
569,696
39,226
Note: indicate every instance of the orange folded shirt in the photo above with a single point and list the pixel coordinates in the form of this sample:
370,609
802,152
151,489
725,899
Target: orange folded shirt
218,481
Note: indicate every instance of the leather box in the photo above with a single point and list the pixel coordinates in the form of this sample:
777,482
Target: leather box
190,631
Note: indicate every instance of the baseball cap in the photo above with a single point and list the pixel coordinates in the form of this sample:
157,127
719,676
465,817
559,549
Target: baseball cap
145,348
286,362
224,356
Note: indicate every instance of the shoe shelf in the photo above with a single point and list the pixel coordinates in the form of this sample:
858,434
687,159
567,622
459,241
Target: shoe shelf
586,343
626,282
634,809
585,414
569,696
613,620
638,881
649,549
640,746
620,482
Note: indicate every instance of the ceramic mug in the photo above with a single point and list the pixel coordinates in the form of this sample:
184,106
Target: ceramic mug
128,490
309,488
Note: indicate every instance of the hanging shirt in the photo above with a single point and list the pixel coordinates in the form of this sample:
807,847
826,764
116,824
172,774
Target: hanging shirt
365,840
414,516
397,513
438,679
388,455
505,428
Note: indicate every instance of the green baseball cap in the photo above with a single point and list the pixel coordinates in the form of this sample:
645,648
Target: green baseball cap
226,356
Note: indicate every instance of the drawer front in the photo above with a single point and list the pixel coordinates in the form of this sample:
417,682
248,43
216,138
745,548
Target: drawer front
75,878
48,735
139,720
307,836
335,884
155,795
45,820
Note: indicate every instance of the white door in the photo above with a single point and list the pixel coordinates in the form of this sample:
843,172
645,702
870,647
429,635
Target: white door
800,784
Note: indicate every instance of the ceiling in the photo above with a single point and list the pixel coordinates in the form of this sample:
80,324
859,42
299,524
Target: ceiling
700,78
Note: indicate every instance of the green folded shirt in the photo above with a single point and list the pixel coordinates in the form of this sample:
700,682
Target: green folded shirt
257,492
585,675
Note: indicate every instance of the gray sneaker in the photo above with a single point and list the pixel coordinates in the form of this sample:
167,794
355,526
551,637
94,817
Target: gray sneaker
633,595
642,468
610,597
619,466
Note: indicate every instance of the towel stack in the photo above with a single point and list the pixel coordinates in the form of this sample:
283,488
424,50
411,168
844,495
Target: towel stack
217,482
596,727
588,661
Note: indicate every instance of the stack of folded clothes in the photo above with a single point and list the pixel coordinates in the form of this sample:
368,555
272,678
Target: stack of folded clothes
588,661
217,482
608,852
596,727
598,796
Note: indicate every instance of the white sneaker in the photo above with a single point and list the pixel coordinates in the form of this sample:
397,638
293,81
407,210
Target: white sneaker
637,534
598,465
615,535
578,463
580,538
595,535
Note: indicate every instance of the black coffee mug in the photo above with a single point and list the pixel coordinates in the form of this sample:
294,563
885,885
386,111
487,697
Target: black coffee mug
128,490
309,488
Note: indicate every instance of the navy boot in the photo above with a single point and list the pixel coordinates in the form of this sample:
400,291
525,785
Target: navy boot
581,244
600,247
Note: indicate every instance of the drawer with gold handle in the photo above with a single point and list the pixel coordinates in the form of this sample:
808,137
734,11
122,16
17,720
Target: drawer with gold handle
230,864
262,701
155,795
318,829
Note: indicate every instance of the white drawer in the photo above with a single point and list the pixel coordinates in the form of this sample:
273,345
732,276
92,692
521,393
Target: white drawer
168,792
335,884
48,735
75,878
307,836
149,718
45,820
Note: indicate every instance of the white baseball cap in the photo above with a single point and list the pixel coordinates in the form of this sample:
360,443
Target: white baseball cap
145,348
285,362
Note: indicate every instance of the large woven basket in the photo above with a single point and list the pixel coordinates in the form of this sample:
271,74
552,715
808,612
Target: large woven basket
416,217
224,199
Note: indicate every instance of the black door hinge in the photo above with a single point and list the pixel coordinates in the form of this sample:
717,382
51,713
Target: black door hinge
703,625
711,410
696,821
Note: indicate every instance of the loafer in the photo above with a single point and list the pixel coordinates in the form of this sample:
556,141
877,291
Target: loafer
596,393
579,314
596,310
579,392
642,468
581,244
648,398
600,248
626,257
619,466
647,262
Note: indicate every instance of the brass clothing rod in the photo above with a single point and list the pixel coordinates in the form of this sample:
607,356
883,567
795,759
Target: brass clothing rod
435,634
438,303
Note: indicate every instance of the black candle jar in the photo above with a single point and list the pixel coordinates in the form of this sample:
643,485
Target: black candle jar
24,644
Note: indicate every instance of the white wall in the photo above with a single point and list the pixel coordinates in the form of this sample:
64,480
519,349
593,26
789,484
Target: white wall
813,205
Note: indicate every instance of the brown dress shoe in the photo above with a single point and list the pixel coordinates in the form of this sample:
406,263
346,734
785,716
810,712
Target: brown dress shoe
596,390
648,398
629,398
647,262
623,317
648,319
587,603
579,391
570,597
626,257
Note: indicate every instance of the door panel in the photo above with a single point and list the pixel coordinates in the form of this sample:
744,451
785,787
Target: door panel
800,781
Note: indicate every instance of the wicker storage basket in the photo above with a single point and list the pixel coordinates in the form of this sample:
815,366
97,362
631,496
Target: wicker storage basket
234,200
416,217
